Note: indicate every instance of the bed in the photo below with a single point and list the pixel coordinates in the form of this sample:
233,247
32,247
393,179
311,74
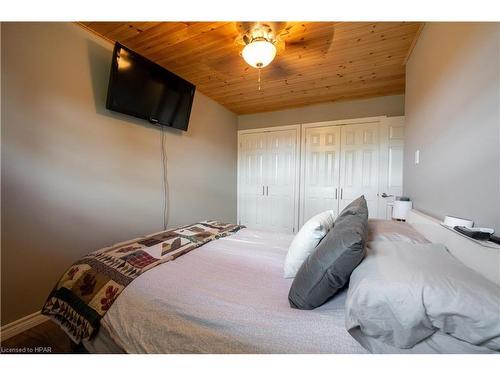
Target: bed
230,296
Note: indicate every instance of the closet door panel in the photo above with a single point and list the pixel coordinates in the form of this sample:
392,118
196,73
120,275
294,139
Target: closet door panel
252,180
359,165
321,162
281,176
392,133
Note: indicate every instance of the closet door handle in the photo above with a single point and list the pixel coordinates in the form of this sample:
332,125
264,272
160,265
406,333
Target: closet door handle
341,193
262,189
335,193
267,190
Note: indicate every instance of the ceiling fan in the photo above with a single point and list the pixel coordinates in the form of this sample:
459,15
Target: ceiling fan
262,41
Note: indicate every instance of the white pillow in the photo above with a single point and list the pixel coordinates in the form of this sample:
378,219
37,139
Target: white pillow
304,242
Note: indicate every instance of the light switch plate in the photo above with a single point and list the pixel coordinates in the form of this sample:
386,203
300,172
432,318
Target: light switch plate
417,156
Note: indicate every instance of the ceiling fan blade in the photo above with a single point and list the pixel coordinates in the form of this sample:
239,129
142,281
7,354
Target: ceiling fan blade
311,41
290,28
230,65
277,71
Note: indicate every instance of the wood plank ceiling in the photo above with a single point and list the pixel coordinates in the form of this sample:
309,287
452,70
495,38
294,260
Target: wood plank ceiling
321,61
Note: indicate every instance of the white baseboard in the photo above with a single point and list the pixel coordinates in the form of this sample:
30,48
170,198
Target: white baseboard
10,330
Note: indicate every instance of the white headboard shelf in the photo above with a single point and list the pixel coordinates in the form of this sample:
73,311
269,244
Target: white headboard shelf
483,259
482,243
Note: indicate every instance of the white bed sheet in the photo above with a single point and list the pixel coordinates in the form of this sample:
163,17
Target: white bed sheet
229,296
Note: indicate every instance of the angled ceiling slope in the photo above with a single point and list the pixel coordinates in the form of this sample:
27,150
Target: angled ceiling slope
321,61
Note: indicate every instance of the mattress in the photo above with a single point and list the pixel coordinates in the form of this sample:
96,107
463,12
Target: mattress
228,296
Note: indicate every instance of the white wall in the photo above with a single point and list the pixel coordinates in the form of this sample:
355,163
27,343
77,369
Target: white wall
385,105
452,117
75,176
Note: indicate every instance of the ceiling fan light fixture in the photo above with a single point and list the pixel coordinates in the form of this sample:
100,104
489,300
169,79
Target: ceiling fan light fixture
259,53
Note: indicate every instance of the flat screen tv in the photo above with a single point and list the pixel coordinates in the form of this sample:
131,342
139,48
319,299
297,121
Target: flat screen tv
141,88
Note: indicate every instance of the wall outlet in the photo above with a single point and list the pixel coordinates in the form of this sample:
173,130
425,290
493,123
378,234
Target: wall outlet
417,157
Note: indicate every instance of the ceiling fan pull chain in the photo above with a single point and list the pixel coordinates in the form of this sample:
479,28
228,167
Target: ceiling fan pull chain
259,78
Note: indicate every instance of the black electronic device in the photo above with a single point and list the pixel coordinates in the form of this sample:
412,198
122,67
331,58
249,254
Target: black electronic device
475,234
143,89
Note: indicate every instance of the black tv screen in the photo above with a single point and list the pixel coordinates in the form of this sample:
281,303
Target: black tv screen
141,88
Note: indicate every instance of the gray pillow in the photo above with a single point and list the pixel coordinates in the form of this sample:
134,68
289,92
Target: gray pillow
357,206
328,268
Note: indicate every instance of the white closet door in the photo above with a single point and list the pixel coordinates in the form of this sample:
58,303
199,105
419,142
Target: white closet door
359,165
252,180
392,134
281,178
320,171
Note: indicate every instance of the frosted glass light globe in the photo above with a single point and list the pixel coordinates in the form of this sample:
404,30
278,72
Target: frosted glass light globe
259,53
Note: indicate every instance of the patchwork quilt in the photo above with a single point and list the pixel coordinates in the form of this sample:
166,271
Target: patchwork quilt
89,287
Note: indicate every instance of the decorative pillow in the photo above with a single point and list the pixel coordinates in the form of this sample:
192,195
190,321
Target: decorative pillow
306,240
328,268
